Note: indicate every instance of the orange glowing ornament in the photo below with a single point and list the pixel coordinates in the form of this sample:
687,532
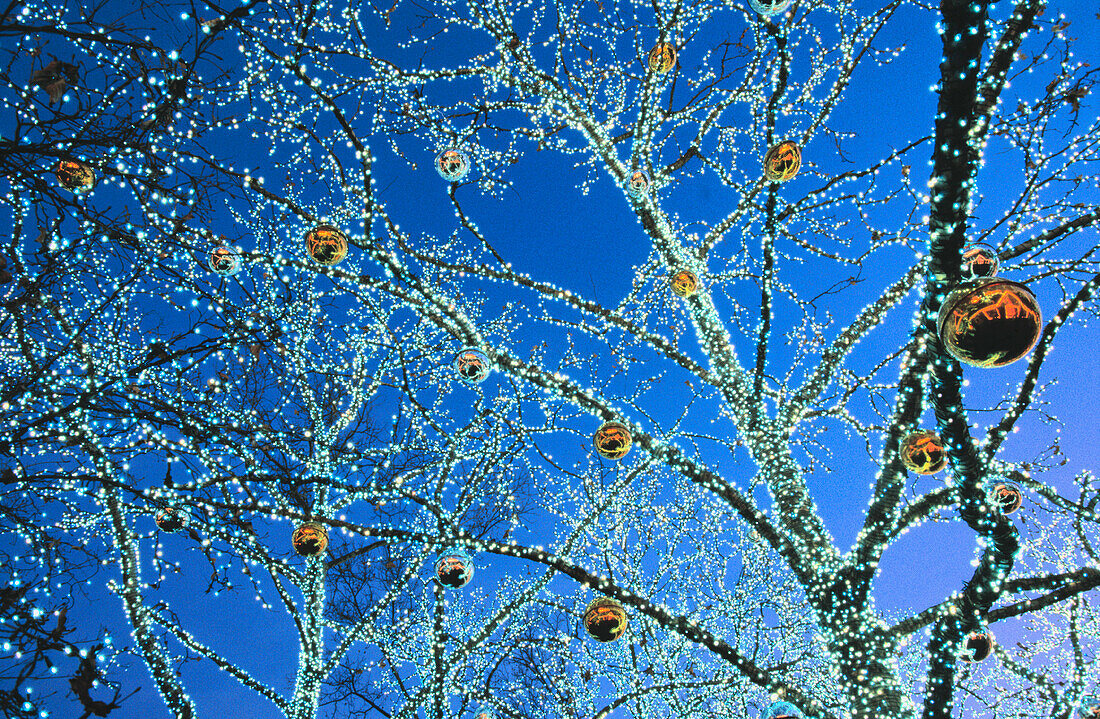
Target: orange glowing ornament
75,176
662,58
782,161
612,440
605,619
326,244
310,539
684,283
922,452
990,323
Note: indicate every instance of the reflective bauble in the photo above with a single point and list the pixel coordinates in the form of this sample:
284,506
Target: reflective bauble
990,323
684,283
662,57
454,569
452,164
638,185
170,519
75,176
979,261
605,619
225,261
782,161
310,539
1007,498
473,365
768,8
977,646
781,710
922,452
326,244
612,440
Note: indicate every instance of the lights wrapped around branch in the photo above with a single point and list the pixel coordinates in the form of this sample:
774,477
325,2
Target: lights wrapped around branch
472,365
922,452
684,283
326,244
1007,497
781,710
977,646
979,261
170,519
990,323
452,164
782,161
454,568
224,261
605,619
767,8
310,539
612,440
75,176
662,58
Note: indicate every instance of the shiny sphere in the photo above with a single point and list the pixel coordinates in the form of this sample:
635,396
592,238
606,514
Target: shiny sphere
170,519
979,261
781,710
782,161
922,452
684,283
990,323
452,164
454,569
1007,497
326,244
638,185
662,58
75,176
977,646
225,261
605,619
612,440
310,539
1088,708
767,8
473,365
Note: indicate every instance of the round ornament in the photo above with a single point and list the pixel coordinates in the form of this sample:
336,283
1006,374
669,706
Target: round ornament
767,8
684,283
977,646
605,619
781,710
454,569
612,440
922,452
473,365
170,519
990,323
225,261
1007,497
75,176
310,539
782,161
326,244
452,164
1088,708
979,261
662,58
638,185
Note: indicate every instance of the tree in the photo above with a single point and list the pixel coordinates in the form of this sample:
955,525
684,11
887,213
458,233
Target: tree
783,329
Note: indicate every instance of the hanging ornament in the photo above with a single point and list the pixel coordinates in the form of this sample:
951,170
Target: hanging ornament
979,261
781,710
1007,497
1088,708
473,365
782,161
452,164
990,323
170,519
612,440
922,452
638,185
684,283
977,646
454,569
605,619
326,244
662,58
767,8
75,176
225,261
310,539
